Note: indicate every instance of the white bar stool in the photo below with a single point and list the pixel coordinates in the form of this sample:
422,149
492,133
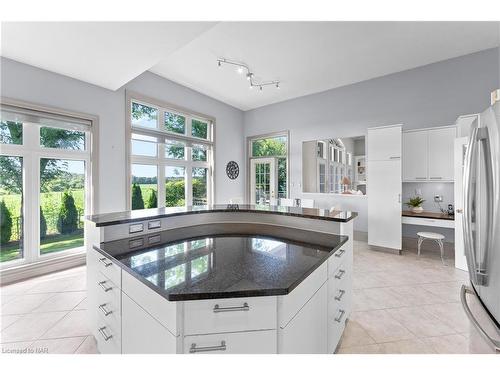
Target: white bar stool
431,236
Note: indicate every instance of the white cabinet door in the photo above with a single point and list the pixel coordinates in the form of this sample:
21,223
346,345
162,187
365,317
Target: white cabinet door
307,331
384,143
441,149
141,333
384,203
415,155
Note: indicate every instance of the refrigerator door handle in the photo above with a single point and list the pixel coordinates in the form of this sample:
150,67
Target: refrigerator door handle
495,344
482,269
467,219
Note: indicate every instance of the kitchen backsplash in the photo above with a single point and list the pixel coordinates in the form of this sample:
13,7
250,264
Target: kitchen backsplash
428,190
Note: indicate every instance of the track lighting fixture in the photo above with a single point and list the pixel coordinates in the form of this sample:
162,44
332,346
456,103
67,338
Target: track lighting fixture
241,68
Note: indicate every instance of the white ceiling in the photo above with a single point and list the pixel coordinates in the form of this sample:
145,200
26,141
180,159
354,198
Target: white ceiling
307,57
107,54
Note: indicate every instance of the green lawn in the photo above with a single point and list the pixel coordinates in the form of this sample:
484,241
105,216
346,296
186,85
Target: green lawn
48,245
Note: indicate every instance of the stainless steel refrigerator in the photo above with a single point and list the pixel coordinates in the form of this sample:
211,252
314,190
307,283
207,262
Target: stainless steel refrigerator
481,227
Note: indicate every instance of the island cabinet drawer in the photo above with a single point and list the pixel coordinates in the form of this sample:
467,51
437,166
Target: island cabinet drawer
341,256
335,326
108,336
256,342
290,304
106,266
143,334
229,315
108,300
156,305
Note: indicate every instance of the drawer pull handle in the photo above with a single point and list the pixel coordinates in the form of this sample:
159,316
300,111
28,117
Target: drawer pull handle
104,310
102,284
341,294
339,253
195,349
340,274
338,319
218,309
102,331
106,264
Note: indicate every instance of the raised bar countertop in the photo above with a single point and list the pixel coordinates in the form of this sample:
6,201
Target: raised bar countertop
223,260
428,215
124,217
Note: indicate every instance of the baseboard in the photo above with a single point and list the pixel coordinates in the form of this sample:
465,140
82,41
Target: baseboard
27,271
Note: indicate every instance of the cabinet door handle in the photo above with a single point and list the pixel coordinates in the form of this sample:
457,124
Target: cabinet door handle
340,295
106,264
102,331
195,349
436,178
218,309
395,157
340,274
420,178
338,319
102,284
339,253
105,311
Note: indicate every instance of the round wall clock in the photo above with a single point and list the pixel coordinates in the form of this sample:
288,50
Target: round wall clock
232,170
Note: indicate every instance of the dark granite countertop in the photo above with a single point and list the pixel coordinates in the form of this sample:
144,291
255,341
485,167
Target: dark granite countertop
154,213
223,261
428,215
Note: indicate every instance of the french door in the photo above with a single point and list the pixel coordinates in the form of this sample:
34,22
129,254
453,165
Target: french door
263,181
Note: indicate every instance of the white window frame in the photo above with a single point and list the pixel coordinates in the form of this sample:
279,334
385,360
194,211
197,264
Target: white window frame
31,151
250,156
160,161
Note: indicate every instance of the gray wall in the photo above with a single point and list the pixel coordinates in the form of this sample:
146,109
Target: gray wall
431,95
25,82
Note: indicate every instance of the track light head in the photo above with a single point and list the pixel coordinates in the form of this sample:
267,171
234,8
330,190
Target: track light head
249,76
219,63
277,85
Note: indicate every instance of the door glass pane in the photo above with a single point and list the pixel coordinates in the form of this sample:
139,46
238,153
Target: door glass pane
62,138
62,204
199,182
11,208
11,132
199,129
144,186
175,123
262,183
174,150
175,186
282,178
144,116
143,145
199,152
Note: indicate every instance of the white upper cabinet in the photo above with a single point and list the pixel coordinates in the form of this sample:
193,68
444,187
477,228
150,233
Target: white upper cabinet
428,154
384,143
415,155
441,154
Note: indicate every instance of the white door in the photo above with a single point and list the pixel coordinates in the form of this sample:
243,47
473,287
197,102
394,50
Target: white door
415,153
384,203
384,143
459,158
441,145
263,181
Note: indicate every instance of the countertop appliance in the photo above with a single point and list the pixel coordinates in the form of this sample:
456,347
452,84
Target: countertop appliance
481,227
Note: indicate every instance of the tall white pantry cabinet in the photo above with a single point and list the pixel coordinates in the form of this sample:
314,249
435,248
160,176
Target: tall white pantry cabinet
384,185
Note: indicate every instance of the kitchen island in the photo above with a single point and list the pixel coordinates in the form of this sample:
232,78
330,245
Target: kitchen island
221,279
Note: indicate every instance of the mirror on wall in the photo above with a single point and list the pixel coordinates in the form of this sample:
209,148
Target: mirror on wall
334,166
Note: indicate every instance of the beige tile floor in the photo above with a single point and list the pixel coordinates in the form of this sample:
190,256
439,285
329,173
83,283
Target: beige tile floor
401,304
405,304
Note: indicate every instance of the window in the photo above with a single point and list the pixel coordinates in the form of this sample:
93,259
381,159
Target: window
269,152
171,156
45,184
